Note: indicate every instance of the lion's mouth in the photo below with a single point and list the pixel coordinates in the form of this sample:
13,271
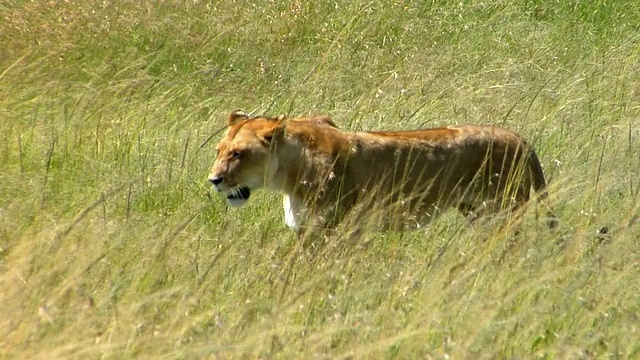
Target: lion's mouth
238,196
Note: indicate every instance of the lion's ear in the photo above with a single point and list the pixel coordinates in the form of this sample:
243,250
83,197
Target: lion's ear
237,115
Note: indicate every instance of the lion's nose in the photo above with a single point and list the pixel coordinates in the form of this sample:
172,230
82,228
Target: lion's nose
216,180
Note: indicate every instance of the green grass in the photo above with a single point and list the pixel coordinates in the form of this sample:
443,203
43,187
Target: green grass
111,245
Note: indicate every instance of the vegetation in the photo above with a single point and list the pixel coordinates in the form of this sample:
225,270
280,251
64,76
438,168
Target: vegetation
111,245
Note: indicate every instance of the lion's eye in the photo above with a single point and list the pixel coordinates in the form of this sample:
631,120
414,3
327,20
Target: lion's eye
236,154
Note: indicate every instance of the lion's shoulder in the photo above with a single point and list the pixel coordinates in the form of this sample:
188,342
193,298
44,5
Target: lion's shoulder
319,135
321,120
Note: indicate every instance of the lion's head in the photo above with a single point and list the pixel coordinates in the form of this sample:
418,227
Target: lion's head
246,159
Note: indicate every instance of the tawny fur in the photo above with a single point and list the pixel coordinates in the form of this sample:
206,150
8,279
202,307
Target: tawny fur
396,179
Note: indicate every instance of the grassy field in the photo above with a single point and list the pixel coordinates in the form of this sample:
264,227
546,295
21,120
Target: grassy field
113,246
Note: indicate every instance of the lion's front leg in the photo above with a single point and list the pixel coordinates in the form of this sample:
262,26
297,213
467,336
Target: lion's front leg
293,211
304,221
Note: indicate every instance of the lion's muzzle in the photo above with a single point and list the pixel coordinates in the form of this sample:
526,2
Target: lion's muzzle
236,196
216,181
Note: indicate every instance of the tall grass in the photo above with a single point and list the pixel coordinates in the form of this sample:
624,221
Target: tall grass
112,246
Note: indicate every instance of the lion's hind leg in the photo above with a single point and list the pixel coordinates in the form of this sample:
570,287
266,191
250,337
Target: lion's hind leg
491,208
469,211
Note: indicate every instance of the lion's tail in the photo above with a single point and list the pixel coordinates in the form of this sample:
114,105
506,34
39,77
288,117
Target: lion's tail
537,176
540,185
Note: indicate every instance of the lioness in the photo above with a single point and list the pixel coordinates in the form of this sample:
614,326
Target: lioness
405,178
